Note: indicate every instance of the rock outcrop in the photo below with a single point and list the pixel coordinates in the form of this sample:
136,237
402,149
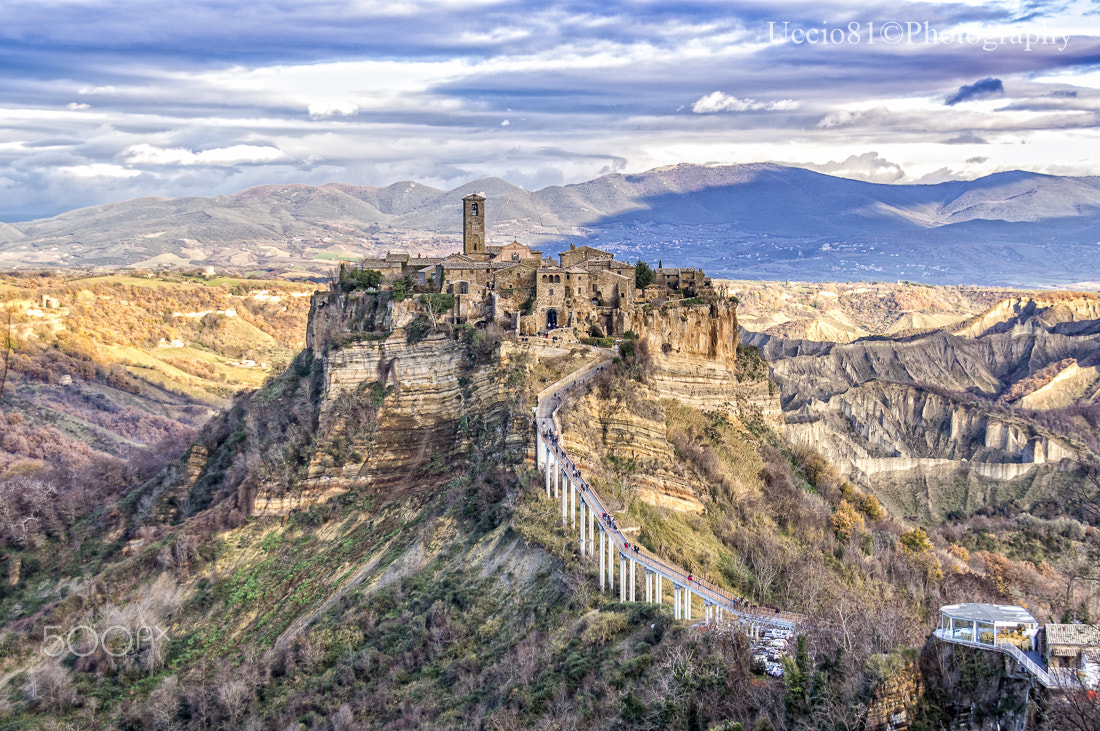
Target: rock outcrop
894,701
393,415
932,423
695,361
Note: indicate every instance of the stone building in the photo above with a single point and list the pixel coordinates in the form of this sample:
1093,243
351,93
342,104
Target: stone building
1073,649
681,278
584,291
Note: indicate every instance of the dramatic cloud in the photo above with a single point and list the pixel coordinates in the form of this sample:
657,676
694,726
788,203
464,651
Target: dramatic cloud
983,89
105,100
967,138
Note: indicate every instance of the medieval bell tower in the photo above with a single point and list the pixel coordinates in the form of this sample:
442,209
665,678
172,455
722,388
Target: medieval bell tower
473,224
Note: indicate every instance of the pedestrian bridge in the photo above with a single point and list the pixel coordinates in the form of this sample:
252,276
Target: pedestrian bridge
584,510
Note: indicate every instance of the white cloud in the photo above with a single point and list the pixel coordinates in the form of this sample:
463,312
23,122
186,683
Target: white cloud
93,90
97,170
320,110
342,88
77,107
145,154
719,102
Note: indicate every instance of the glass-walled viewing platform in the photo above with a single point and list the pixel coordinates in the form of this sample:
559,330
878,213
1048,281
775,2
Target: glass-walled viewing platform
988,624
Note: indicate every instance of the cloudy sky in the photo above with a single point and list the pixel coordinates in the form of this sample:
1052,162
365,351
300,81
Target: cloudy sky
104,101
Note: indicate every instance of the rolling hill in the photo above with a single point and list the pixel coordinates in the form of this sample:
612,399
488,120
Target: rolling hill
757,221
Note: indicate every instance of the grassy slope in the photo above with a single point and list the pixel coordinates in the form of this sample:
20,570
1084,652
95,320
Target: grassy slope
111,335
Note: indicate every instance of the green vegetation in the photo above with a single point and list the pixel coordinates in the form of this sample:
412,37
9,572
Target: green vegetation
352,278
643,274
437,303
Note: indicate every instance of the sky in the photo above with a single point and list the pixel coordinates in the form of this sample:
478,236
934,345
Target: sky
107,101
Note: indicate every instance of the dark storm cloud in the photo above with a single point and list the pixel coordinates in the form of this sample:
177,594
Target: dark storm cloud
983,89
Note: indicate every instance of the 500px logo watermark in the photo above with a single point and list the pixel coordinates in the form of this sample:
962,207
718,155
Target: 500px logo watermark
907,32
116,641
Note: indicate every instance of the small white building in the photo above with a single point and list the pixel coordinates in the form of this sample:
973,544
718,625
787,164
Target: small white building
988,624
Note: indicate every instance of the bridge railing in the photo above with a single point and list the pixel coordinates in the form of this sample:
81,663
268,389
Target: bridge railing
1004,647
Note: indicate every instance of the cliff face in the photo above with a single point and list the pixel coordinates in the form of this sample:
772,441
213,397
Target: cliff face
695,358
337,316
397,416
967,689
392,415
894,701
931,422
695,361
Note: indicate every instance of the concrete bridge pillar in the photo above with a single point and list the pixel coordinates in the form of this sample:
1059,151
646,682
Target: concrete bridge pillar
610,562
584,524
687,603
603,568
648,586
572,500
622,578
592,529
658,592
557,478
633,579
547,470
564,499
675,602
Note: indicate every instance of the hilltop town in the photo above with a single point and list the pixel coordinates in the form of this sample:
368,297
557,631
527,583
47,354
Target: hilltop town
586,291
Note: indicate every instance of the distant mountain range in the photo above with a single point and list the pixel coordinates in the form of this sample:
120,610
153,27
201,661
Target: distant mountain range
756,221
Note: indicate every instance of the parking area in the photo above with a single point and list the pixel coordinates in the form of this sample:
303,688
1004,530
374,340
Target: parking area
768,652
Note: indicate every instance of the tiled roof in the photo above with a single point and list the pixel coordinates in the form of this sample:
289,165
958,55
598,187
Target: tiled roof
483,265
1086,635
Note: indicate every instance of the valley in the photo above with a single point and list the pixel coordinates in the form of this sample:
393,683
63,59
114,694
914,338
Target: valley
358,538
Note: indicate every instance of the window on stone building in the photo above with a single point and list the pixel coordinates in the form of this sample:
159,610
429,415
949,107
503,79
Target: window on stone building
473,209
551,292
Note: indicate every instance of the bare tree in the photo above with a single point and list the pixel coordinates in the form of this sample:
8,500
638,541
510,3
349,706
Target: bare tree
7,345
1074,707
1085,493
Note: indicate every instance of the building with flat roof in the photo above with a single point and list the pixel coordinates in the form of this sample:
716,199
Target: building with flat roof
988,624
